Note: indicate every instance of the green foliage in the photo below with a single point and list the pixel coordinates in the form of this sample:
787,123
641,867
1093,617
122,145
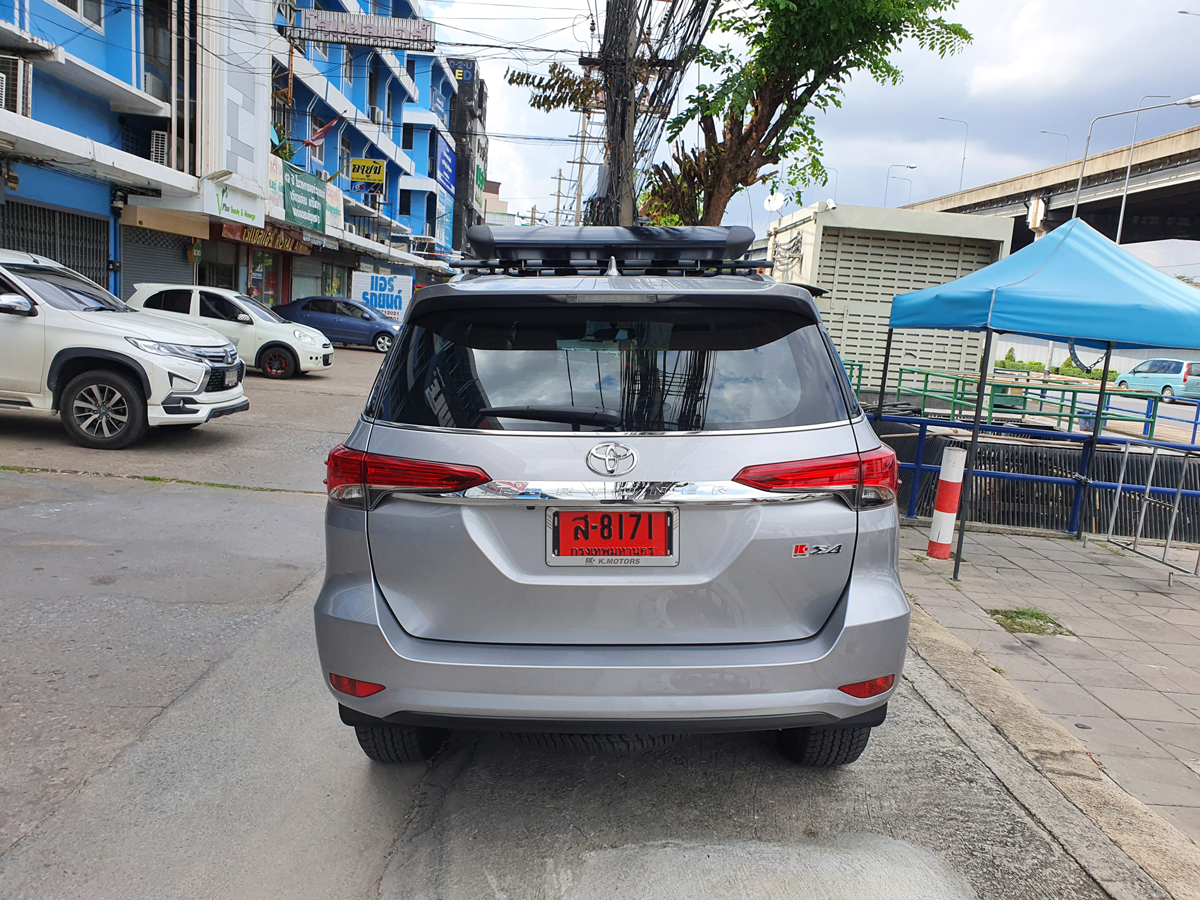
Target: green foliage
800,54
285,149
1028,620
1015,365
1068,369
653,209
1011,355
561,88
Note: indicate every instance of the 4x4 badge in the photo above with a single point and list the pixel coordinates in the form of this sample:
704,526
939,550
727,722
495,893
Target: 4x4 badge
815,549
611,459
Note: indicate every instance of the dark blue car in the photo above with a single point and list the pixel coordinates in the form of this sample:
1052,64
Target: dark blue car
342,321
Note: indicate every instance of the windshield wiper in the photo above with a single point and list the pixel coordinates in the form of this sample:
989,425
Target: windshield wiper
567,415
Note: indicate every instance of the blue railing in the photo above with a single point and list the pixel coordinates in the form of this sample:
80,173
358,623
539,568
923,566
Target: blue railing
918,467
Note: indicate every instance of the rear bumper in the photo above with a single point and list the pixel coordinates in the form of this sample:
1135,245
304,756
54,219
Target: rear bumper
680,689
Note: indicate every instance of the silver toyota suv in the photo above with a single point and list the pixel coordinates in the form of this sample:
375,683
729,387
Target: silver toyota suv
611,487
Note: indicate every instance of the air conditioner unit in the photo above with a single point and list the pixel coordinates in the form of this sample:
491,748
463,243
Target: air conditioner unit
17,84
159,152
376,115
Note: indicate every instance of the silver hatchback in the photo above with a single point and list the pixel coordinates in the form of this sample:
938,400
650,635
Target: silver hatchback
612,487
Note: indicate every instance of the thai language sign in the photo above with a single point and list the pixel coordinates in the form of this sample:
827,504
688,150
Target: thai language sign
446,165
303,199
383,32
387,293
367,175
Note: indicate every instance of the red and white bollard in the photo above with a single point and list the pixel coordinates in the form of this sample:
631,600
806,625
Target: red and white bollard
945,505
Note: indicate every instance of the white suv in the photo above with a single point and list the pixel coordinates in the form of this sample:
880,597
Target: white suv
66,344
264,339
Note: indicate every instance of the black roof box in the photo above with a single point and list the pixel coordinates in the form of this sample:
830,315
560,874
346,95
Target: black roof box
599,243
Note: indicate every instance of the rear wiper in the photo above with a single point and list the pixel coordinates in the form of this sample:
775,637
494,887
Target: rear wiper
568,415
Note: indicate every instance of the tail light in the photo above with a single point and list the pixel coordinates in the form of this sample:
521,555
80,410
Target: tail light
353,686
863,479
873,688
358,480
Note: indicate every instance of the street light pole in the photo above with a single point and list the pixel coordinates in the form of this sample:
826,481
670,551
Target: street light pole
1067,148
909,180
888,183
966,133
1129,164
1191,102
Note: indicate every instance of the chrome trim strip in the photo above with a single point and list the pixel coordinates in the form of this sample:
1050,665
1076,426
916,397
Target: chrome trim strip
624,493
437,429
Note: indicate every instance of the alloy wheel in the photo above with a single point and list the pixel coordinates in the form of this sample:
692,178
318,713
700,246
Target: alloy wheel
383,343
100,410
275,363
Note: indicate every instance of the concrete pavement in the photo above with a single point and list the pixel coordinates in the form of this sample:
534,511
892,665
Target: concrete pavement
167,734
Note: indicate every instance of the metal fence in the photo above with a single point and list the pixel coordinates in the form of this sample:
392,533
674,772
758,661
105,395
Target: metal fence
1031,478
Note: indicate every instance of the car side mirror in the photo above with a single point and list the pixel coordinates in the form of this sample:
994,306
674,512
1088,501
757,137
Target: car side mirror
16,305
245,319
366,315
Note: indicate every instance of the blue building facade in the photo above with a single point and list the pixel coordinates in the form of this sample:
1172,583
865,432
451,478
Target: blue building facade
146,142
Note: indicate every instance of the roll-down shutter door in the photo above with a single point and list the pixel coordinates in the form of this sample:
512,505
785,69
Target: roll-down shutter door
154,256
306,277
77,241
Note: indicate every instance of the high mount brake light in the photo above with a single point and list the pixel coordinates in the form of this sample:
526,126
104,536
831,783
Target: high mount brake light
863,479
357,479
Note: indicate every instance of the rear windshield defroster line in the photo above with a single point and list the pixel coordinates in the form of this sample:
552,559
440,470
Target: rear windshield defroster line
660,369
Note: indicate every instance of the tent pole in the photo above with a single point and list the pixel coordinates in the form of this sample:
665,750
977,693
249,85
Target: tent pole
964,506
887,359
1085,464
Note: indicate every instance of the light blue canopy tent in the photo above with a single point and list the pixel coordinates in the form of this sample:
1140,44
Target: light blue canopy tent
1073,284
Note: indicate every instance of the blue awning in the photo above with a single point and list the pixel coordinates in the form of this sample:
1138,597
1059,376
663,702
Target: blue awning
1073,283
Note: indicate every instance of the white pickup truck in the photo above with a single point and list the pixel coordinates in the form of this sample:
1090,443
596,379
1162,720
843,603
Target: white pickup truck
110,371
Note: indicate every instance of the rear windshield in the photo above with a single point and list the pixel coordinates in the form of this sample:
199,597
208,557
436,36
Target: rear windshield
609,369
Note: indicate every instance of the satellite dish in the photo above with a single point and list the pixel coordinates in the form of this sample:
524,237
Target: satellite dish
774,203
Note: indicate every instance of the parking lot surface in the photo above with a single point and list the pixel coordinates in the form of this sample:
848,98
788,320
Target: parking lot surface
168,735
166,732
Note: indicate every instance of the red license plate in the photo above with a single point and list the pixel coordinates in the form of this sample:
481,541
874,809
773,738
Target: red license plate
620,537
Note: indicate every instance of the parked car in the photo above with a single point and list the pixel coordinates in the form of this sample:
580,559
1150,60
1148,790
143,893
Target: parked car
110,371
343,321
1168,377
265,340
599,510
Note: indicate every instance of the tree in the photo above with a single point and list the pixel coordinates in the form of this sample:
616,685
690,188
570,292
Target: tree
761,109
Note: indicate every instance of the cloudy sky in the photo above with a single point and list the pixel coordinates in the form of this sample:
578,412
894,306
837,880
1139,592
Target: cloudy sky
1037,65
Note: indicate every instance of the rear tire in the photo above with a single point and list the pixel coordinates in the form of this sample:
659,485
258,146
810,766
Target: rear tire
103,410
592,743
278,362
400,743
824,748
383,342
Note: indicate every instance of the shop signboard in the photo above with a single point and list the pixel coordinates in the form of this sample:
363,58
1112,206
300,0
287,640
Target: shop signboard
224,201
334,210
267,238
381,32
464,69
437,102
480,185
367,176
303,198
274,186
445,222
446,165
387,293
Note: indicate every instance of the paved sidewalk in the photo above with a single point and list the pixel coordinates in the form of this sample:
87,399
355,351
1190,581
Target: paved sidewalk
1126,682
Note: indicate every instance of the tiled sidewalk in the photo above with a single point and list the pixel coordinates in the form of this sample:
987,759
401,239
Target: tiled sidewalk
1127,683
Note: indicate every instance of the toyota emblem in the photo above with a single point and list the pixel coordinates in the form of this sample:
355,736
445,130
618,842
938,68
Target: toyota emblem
611,459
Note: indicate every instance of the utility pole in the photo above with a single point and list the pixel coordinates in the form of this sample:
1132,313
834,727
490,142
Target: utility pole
558,199
584,117
625,182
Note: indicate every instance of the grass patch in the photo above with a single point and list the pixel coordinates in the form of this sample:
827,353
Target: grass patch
1027,621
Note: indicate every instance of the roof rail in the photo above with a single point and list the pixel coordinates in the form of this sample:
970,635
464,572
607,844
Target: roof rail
571,246
682,267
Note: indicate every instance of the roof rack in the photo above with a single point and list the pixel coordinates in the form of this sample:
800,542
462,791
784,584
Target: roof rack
680,267
573,246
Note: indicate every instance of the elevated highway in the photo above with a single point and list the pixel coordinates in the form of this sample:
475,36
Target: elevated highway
1164,193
